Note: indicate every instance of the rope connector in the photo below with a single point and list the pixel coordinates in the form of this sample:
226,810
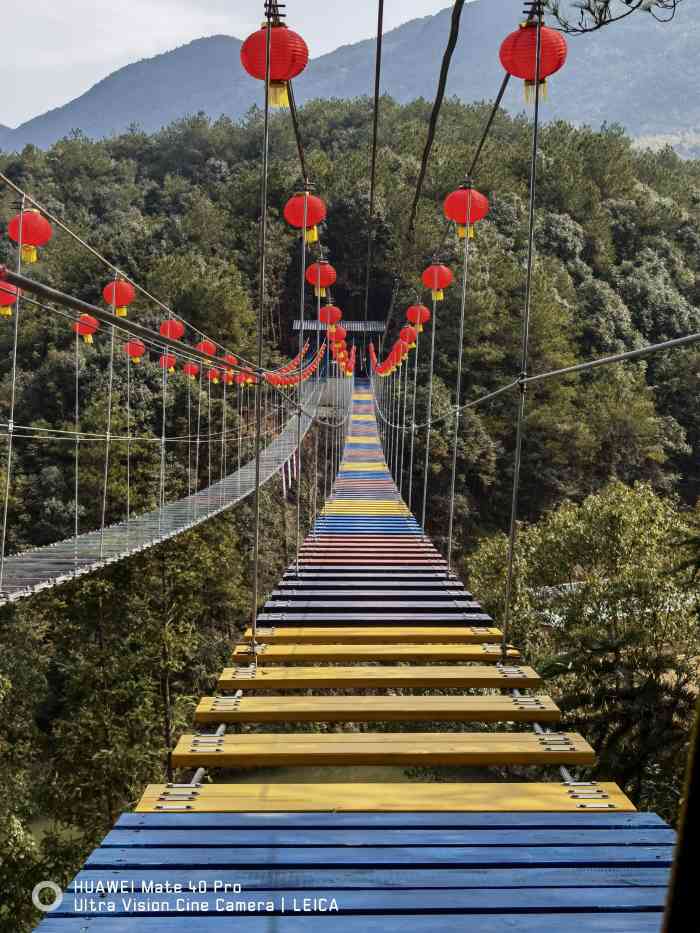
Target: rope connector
10,426
273,11
534,8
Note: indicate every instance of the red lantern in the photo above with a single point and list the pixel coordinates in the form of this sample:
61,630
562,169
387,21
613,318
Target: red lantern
437,278
466,206
191,370
408,335
231,360
402,348
167,361
213,375
8,297
35,231
315,213
135,349
330,315
240,379
339,334
206,346
227,377
321,275
289,55
86,325
119,295
518,55
418,315
172,329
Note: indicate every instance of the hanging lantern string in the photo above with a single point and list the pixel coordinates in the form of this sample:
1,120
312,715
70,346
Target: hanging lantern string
413,418
13,397
124,326
271,13
432,124
76,467
302,295
110,391
431,371
403,427
519,430
91,249
458,387
373,157
150,344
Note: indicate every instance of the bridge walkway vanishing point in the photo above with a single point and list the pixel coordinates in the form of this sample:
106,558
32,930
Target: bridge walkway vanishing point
373,608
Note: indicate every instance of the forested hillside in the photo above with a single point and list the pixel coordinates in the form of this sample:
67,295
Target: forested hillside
611,459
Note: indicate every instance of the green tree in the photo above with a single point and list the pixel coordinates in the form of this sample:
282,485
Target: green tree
600,612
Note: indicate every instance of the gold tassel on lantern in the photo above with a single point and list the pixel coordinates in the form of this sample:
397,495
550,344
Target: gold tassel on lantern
530,91
311,234
121,312
320,292
29,253
88,339
465,232
437,294
279,96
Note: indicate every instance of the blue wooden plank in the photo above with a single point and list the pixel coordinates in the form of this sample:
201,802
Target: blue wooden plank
340,879
424,857
445,923
415,903
322,820
216,838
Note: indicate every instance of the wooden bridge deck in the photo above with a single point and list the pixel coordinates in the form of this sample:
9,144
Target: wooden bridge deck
374,610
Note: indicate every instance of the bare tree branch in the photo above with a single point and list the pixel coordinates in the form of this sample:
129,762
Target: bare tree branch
594,14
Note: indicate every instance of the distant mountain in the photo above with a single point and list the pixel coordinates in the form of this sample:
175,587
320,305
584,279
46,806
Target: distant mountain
639,73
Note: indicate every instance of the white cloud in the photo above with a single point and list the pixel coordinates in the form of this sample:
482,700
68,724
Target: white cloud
54,52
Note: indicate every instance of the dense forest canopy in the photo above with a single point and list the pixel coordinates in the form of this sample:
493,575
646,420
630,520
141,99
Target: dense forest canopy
617,237
85,671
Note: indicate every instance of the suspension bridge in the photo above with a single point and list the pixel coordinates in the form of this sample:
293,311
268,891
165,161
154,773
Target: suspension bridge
369,627
370,652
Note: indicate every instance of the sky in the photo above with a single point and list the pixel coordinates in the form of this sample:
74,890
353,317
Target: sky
55,51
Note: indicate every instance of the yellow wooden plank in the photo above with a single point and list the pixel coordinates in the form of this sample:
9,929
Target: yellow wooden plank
336,678
367,505
360,509
363,467
287,749
377,709
364,508
439,797
362,417
282,654
374,503
367,634
354,466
